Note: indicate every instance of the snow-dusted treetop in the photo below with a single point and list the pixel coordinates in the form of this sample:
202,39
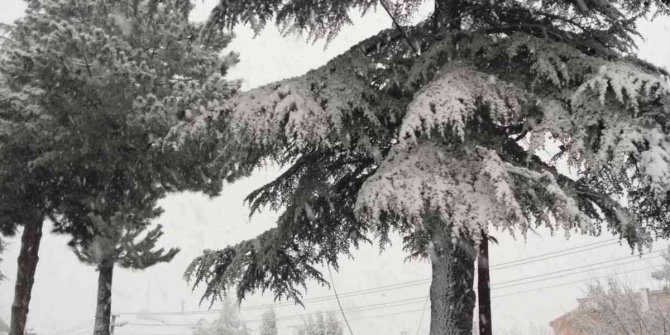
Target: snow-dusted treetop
601,24
561,99
89,89
381,137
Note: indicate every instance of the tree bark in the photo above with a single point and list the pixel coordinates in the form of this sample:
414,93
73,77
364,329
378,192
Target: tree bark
452,294
25,273
103,311
484,288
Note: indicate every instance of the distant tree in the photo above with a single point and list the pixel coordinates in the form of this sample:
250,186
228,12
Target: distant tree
318,325
615,309
90,90
228,323
663,274
269,323
333,325
434,131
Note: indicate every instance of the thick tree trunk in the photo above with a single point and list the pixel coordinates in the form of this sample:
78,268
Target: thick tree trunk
103,311
451,292
484,288
25,274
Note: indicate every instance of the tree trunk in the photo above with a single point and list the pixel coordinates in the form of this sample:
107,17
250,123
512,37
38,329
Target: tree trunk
484,288
25,273
451,290
103,311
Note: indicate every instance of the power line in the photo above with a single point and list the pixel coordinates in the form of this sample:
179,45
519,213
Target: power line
373,290
75,328
418,330
402,302
570,283
551,255
338,300
295,326
414,300
409,301
385,288
388,304
515,282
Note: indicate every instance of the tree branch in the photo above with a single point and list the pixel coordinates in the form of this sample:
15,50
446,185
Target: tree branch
399,27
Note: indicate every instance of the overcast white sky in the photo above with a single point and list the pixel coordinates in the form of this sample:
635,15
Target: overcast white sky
64,292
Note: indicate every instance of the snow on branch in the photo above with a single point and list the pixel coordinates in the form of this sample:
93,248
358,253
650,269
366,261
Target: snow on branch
561,208
451,100
302,111
466,192
626,81
655,162
283,110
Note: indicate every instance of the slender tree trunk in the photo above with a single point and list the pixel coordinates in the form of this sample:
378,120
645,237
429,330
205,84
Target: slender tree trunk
484,288
103,311
452,294
25,274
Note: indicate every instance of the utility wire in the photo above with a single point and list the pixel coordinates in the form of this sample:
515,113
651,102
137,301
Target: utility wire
75,328
404,302
295,326
418,330
517,283
382,305
570,283
414,300
551,255
338,298
385,288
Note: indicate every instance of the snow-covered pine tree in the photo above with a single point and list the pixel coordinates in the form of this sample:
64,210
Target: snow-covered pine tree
269,323
89,90
228,322
435,131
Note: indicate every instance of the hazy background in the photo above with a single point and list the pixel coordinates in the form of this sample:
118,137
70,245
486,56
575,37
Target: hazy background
64,292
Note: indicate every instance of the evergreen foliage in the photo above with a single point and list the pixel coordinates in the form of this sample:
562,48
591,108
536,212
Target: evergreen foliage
228,323
434,131
381,136
120,238
90,91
